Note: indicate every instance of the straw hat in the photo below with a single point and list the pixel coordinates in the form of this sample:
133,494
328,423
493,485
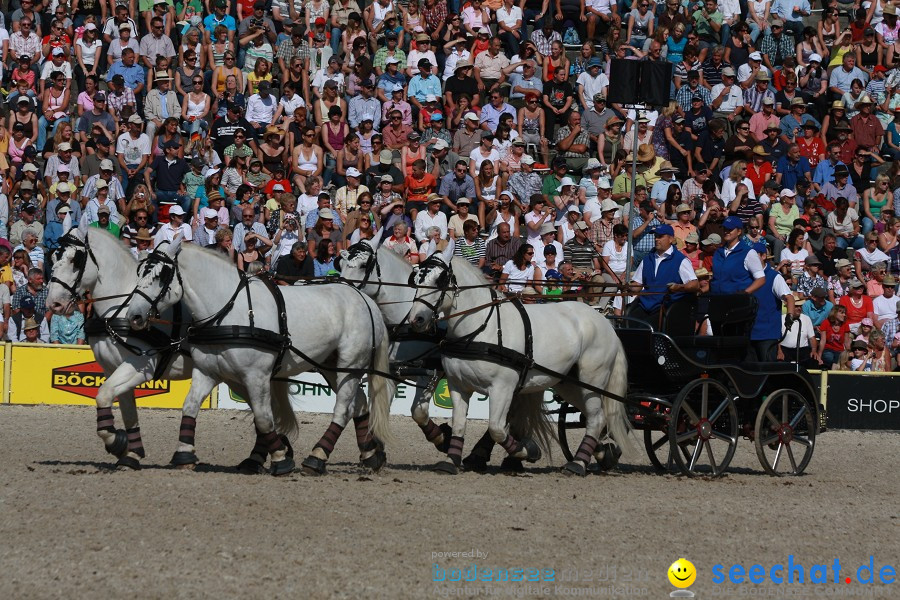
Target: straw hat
646,153
144,235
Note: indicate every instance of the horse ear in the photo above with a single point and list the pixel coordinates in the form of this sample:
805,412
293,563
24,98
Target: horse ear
83,226
344,254
67,223
447,254
173,248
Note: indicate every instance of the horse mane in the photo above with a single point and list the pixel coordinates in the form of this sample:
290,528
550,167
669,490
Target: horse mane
466,273
108,244
191,247
392,257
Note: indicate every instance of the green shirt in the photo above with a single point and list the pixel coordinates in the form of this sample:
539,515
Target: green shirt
703,27
551,182
111,227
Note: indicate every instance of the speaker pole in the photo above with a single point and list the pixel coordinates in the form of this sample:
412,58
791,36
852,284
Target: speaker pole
629,254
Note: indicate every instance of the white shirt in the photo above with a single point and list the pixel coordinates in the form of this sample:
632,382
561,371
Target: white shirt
885,308
593,207
539,257
509,18
167,233
261,111
290,105
592,85
732,100
322,76
743,72
685,270
450,64
477,157
516,277
802,326
616,259
133,150
728,189
424,220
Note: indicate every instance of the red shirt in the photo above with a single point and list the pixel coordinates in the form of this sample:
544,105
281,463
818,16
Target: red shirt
420,188
759,175
812,149
855,315
834,340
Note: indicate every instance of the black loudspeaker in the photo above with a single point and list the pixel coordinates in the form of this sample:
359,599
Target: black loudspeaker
640,81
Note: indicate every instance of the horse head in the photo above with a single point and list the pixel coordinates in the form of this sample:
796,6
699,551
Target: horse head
159,284
359,266
433,279
74,270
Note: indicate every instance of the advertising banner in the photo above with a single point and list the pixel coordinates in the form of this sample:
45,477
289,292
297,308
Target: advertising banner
863,401
43,374
312,394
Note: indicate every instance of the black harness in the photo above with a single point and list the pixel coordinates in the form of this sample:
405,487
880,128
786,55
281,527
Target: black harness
467,348
165,345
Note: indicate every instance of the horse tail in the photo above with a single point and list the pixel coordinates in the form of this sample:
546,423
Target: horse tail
282,411
527,420
617,423
381,393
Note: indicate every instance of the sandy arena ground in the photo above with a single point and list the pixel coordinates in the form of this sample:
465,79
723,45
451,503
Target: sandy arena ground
71,528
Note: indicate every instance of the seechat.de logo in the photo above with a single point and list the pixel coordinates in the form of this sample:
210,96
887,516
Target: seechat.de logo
84,379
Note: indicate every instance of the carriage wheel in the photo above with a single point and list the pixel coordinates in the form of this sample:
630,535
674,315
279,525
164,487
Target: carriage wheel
703,429
785,433
659,450
563,426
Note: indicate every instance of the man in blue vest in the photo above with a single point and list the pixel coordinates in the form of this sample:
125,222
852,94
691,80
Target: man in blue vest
664,275
766,333
736,269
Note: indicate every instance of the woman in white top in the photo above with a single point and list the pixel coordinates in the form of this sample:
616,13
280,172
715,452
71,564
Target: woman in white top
615,255
758,17
567,228
535,218
502,212
87,54
521,271
484,151
737,175
196,104
487,183
793,256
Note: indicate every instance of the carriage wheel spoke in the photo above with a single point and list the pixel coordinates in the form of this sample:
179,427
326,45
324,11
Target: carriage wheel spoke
777,456
784,409
712,459
704,401
803,440
686,436
790,454
690,413
659,443
769,440
719,411
695,455
800,414
725,438
772,418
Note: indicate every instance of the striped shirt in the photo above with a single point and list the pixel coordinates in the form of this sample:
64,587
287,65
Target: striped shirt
472,252
581,255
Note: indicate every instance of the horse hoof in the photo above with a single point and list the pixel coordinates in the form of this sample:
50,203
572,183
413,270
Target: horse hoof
181,459
446,467
287,443
446,432
313,466
282,467
375,462
511,466
120,444
186,467
533,450
475,462
127,463
574,468
610,457
249,466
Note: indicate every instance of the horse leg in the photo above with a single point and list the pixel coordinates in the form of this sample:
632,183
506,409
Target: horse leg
371,449
314,464
120,383
591,406
201,387
135,451
260,400
439,435
497,427
460,402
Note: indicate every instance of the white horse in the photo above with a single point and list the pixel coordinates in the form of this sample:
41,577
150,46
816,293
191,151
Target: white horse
91,260
98,263
243,336
383,276
569,339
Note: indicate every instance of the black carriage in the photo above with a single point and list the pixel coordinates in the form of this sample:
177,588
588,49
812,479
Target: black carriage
694,396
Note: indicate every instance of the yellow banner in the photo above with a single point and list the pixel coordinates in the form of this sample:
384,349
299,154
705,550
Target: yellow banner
48,374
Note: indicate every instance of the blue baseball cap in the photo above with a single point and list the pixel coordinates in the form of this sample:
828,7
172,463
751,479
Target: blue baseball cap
760,247
437,117
594,62
664,229
732,222
553,274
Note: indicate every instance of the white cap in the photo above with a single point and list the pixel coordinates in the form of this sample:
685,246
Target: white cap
207,213
604,184
397,88
787,192
326,213
176,210
441,145
390,60
277,188
815,57
62,188
755,56
106,165
526,159
90,27
353,172
58,51
470,116
547,228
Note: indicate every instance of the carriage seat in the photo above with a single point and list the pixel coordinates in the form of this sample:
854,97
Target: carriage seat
732,318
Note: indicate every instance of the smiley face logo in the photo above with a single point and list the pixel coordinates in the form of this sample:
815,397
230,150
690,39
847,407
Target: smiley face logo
682,573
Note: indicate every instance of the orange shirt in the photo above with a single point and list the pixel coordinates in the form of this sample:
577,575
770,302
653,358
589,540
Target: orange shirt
418,189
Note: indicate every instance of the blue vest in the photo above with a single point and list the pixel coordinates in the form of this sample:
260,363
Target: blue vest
767,325
657,282
729,274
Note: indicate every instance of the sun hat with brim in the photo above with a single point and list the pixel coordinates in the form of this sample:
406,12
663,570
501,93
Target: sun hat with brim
760,151
433,198
463,64
326,213
591,164
692,238
608,204
666,167
646,153
604,184
843,127
865,99
812,260
564,182
889,281
762,76
856,283
683,207
30,323
859,345
581,226
841,263
548,228
143,234
811,125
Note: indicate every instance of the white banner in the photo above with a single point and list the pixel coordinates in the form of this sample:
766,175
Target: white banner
311,393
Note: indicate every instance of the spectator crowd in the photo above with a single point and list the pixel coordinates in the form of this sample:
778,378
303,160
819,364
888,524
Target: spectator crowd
279,132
